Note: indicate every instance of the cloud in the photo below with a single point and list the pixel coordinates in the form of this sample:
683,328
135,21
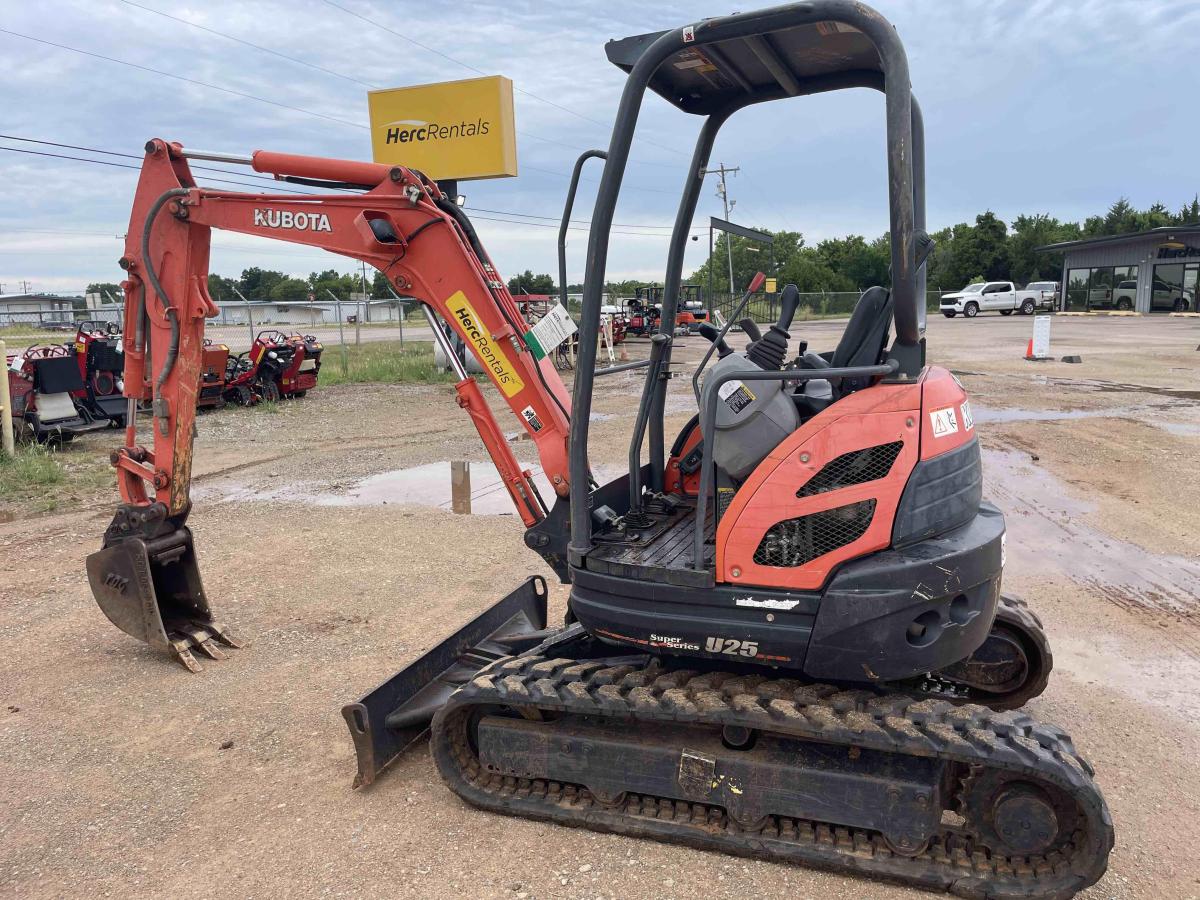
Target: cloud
1030,106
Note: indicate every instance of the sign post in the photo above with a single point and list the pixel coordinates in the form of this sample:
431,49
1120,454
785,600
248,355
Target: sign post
6,422
1039,347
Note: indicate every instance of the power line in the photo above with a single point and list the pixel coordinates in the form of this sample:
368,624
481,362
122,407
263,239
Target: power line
117,165
332,72
458,62
245,43
215,87
267,178
200,168
255,97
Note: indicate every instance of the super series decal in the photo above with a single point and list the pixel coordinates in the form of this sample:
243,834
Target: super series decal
486,349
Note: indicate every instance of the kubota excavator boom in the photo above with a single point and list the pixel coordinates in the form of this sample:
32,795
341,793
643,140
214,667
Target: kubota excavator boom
145,578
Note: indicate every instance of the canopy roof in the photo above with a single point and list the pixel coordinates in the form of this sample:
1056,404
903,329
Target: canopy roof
806,59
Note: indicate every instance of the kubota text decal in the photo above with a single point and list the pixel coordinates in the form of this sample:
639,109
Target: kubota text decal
488,350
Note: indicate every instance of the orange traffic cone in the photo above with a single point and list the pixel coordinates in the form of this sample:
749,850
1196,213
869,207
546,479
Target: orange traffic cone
1029,350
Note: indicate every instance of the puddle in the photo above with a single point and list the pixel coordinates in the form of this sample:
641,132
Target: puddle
1097,385
1165,679
1046,530
1016,414
473,488
1181,429
1148,414
1113,387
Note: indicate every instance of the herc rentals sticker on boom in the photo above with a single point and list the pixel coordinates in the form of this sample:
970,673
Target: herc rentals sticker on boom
452,130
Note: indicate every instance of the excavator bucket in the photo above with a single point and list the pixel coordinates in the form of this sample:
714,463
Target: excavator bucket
151,590
398,712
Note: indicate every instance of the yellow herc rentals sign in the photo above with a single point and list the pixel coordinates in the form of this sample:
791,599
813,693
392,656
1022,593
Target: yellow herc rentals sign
454,129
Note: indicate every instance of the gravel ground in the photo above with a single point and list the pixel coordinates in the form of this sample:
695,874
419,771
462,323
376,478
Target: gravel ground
123,775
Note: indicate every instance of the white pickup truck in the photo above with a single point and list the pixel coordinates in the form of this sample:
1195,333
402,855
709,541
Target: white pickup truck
998,296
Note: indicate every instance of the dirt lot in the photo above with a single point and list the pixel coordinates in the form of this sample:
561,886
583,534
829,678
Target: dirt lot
114,778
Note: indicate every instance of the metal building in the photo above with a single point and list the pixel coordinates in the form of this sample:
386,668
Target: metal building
1148,271
35,309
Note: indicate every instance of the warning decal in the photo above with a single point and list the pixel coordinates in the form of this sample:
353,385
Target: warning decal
531,417
736,395
944,422
968,420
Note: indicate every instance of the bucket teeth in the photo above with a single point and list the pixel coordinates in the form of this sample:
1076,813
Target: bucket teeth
221,633
184,655
205,638
211,650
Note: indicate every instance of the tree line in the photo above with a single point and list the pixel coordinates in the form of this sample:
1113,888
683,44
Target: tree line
989,249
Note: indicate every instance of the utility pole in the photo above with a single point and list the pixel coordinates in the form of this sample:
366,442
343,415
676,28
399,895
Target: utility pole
723,193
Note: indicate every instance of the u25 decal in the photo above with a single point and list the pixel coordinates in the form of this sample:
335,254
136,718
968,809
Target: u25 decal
731,647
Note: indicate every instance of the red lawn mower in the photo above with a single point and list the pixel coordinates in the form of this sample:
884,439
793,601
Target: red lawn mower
99,352
276,365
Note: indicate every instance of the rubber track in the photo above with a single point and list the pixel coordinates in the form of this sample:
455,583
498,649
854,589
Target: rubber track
1015,612
643,694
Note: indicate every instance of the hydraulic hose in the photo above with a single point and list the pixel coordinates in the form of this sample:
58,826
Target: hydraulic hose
168,310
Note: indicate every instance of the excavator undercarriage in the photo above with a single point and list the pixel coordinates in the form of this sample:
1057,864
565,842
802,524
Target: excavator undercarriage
943,796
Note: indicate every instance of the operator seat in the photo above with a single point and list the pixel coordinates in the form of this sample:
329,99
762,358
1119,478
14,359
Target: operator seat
865,338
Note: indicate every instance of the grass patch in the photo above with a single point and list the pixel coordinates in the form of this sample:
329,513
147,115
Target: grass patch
269,406
383,362
29,472
37,479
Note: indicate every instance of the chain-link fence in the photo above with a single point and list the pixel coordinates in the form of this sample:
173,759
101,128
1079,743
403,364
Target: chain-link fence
763,308
334,322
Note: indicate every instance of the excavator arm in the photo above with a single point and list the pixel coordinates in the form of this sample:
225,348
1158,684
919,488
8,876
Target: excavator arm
145,578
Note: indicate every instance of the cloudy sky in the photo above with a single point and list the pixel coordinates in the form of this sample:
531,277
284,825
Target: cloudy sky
1030,105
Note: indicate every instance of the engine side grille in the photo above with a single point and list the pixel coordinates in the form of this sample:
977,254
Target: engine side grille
795,542
106,357
855,467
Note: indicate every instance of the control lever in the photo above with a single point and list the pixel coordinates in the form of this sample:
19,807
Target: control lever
710,333
756,284
750,328
769,351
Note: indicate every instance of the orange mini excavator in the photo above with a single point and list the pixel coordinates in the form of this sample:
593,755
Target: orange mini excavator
785,635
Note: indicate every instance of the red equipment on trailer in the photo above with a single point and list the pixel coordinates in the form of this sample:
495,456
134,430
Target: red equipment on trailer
98,349
49,394
276,365
213,366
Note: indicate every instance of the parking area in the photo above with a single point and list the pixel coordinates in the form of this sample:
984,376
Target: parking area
327,540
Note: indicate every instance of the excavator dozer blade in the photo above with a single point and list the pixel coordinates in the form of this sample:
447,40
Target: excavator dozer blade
151,590
398,712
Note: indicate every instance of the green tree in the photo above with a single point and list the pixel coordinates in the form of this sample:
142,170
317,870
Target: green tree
221,288
257,283
289,290
1029,233
985,248
381,286
528,283
749,257
108,291
857,261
